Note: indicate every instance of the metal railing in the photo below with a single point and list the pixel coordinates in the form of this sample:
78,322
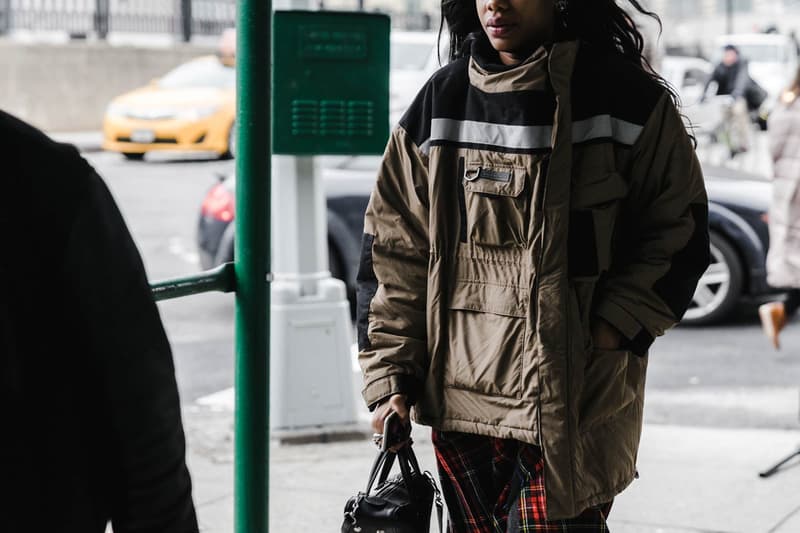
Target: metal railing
220,279
82,18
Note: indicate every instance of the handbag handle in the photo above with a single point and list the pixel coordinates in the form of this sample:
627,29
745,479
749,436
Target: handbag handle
382,467
408,461
380,460
412,458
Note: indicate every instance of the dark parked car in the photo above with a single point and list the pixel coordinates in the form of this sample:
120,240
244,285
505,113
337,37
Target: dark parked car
348,182
738,204
737,219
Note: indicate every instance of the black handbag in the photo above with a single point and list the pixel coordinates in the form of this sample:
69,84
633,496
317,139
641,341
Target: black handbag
401,504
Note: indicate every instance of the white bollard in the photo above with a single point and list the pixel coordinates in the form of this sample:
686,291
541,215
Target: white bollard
311,333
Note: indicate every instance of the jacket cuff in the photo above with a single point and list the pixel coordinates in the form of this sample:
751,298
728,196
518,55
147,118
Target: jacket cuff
619,318
636,338
383,388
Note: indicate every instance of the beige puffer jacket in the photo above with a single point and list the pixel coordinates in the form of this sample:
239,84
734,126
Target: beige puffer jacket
513,205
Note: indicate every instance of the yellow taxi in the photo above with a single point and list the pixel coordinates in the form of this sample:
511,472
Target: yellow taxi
191,108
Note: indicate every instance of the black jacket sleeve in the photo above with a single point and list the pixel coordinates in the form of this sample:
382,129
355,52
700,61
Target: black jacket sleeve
128,345
716,77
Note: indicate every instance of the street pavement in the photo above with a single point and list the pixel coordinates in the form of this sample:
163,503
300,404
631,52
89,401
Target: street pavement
721,405
693,479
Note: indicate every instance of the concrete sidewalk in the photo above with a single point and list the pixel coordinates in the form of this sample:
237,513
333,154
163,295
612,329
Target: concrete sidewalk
692,480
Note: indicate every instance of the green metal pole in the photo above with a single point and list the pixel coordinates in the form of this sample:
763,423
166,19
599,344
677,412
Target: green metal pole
253,117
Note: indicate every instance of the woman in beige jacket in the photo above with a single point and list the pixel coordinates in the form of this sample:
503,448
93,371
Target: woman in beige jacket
538,219
783,259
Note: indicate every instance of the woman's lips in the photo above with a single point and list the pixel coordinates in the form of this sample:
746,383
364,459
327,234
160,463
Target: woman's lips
500,30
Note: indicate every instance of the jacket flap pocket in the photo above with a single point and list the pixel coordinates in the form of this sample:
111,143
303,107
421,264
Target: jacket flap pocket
494,179
497,299
609,188
606,390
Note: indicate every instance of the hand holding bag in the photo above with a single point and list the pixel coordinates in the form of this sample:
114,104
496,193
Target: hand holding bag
401,504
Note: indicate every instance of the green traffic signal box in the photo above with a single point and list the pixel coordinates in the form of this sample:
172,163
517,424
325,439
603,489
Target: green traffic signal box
330,91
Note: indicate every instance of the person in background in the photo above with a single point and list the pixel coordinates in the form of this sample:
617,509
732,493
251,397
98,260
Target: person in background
91,416
538,219
783,257
733,79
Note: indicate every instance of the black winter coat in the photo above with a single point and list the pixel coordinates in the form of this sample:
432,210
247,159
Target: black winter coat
736,81
91,425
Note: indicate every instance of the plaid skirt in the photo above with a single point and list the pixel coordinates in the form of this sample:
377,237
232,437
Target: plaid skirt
495,485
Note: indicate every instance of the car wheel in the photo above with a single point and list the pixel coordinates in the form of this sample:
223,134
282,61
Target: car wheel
133,156
720,287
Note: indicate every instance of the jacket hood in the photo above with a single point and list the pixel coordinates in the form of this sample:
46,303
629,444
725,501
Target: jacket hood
487,73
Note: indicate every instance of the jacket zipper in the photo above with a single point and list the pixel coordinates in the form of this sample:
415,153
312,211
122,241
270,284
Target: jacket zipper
544,169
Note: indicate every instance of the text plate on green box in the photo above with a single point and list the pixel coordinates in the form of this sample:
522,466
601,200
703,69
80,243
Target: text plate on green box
330,83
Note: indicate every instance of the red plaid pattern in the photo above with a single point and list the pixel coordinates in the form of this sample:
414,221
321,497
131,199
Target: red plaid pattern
496,486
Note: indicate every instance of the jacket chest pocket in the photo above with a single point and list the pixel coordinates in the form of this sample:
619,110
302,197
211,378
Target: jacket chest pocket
591,233
592,226
495,210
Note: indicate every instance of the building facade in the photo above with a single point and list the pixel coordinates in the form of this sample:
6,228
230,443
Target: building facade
698,22
410,14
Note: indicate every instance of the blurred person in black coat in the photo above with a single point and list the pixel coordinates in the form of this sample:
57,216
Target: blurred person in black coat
732,76
91,427
733,79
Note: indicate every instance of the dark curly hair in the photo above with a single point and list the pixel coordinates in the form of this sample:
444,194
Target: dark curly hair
602,23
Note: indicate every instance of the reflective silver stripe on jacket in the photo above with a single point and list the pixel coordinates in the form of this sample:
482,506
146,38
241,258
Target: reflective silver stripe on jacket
529,137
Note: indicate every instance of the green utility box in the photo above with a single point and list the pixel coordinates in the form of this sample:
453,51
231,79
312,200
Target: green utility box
330,83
